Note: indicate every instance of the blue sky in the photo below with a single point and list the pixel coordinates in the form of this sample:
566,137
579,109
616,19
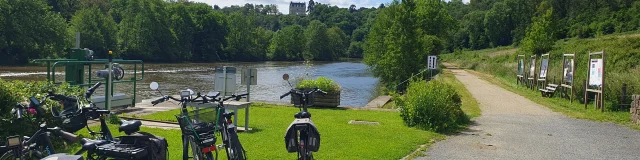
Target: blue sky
283,5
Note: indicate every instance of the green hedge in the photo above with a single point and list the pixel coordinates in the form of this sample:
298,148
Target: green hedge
323,83
12,92
433,105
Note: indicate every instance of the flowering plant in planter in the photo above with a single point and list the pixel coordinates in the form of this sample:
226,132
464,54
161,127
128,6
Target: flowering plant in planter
331,99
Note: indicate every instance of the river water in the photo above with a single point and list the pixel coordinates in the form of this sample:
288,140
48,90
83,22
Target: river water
358,84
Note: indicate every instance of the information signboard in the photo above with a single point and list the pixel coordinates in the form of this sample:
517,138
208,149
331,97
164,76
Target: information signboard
595,74
433,62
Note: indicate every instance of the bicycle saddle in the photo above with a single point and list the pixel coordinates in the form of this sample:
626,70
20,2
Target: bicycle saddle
129,127
302,114
89,144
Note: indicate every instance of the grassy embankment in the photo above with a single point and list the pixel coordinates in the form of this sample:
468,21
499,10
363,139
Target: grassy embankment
499,66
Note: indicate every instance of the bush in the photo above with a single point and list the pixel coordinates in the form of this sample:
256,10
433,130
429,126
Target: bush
12,92
431,105
323,83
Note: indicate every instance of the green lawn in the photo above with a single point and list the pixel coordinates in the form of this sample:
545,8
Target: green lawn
340,140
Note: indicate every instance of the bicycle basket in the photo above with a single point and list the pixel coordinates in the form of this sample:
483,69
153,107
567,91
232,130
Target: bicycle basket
73,123
200,121
296,99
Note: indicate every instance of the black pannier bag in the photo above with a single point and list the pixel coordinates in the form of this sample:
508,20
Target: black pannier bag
157,147
291,137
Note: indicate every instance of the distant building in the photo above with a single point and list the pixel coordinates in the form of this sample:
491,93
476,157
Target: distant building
298,8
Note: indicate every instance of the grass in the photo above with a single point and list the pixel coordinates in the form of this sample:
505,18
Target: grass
562,105
469,104
389,140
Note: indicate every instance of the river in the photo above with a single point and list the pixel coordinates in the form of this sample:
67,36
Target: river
358,84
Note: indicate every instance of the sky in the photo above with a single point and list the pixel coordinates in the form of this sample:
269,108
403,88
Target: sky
283,5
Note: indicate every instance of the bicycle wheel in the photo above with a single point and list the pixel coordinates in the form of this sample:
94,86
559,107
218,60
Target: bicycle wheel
234,148
195,149
10,156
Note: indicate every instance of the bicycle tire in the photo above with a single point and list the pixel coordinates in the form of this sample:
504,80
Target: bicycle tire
196,150
234,148
9,156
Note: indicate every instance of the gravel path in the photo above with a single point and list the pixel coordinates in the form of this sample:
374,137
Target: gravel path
513,127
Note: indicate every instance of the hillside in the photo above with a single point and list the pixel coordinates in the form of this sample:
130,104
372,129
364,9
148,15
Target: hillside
622,60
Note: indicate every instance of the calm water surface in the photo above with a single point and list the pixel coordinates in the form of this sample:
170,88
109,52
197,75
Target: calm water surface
358,84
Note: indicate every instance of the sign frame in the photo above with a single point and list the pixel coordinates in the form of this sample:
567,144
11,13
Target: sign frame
521,71
599,98
543,70
563,82
532,72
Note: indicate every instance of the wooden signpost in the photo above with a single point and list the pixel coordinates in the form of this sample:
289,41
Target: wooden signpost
595,80
521,73
568,69
532,72
544,69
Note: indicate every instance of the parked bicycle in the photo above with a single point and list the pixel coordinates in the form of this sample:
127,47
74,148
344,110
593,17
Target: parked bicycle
199,127
135,145
38,145
302,136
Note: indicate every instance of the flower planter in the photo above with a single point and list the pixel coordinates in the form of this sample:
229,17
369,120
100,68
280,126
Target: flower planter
329,100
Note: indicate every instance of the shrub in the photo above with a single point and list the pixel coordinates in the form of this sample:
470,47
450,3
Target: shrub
323,83
431,105
12,92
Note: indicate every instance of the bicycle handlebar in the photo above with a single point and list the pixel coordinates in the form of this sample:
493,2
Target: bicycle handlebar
90,91
69,137
301,92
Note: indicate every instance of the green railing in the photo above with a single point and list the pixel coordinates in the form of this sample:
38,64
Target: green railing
51,70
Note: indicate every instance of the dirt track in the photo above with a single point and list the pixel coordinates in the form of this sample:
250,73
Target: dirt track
513,127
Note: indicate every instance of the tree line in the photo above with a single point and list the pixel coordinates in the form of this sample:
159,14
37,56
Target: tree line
405,32
178,31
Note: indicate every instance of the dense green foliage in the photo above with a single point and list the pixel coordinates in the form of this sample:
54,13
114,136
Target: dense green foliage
493,23
431,105
402,37
13,92
177,31
622,57
322,83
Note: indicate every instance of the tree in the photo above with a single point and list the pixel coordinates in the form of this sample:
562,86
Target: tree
352,8
317,42
97,31
540,36
498,25
30,30
287,44
183,28
337,43
210,32
144,32
474,25
401,39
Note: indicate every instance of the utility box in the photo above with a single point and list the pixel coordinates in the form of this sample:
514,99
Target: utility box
74,73
225,80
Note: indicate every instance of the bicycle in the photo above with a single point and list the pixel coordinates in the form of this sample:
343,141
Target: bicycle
198,132
103,145
38,145
302,136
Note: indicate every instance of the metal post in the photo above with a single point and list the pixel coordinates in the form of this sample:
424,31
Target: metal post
224,85
109,81
586,93
248,83
623,98
78,40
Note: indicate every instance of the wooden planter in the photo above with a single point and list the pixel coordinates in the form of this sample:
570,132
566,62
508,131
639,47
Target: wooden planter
329,100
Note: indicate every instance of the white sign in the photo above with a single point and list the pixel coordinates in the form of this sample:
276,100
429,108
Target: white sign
433,62
543,68
225,83
253,73
595,74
